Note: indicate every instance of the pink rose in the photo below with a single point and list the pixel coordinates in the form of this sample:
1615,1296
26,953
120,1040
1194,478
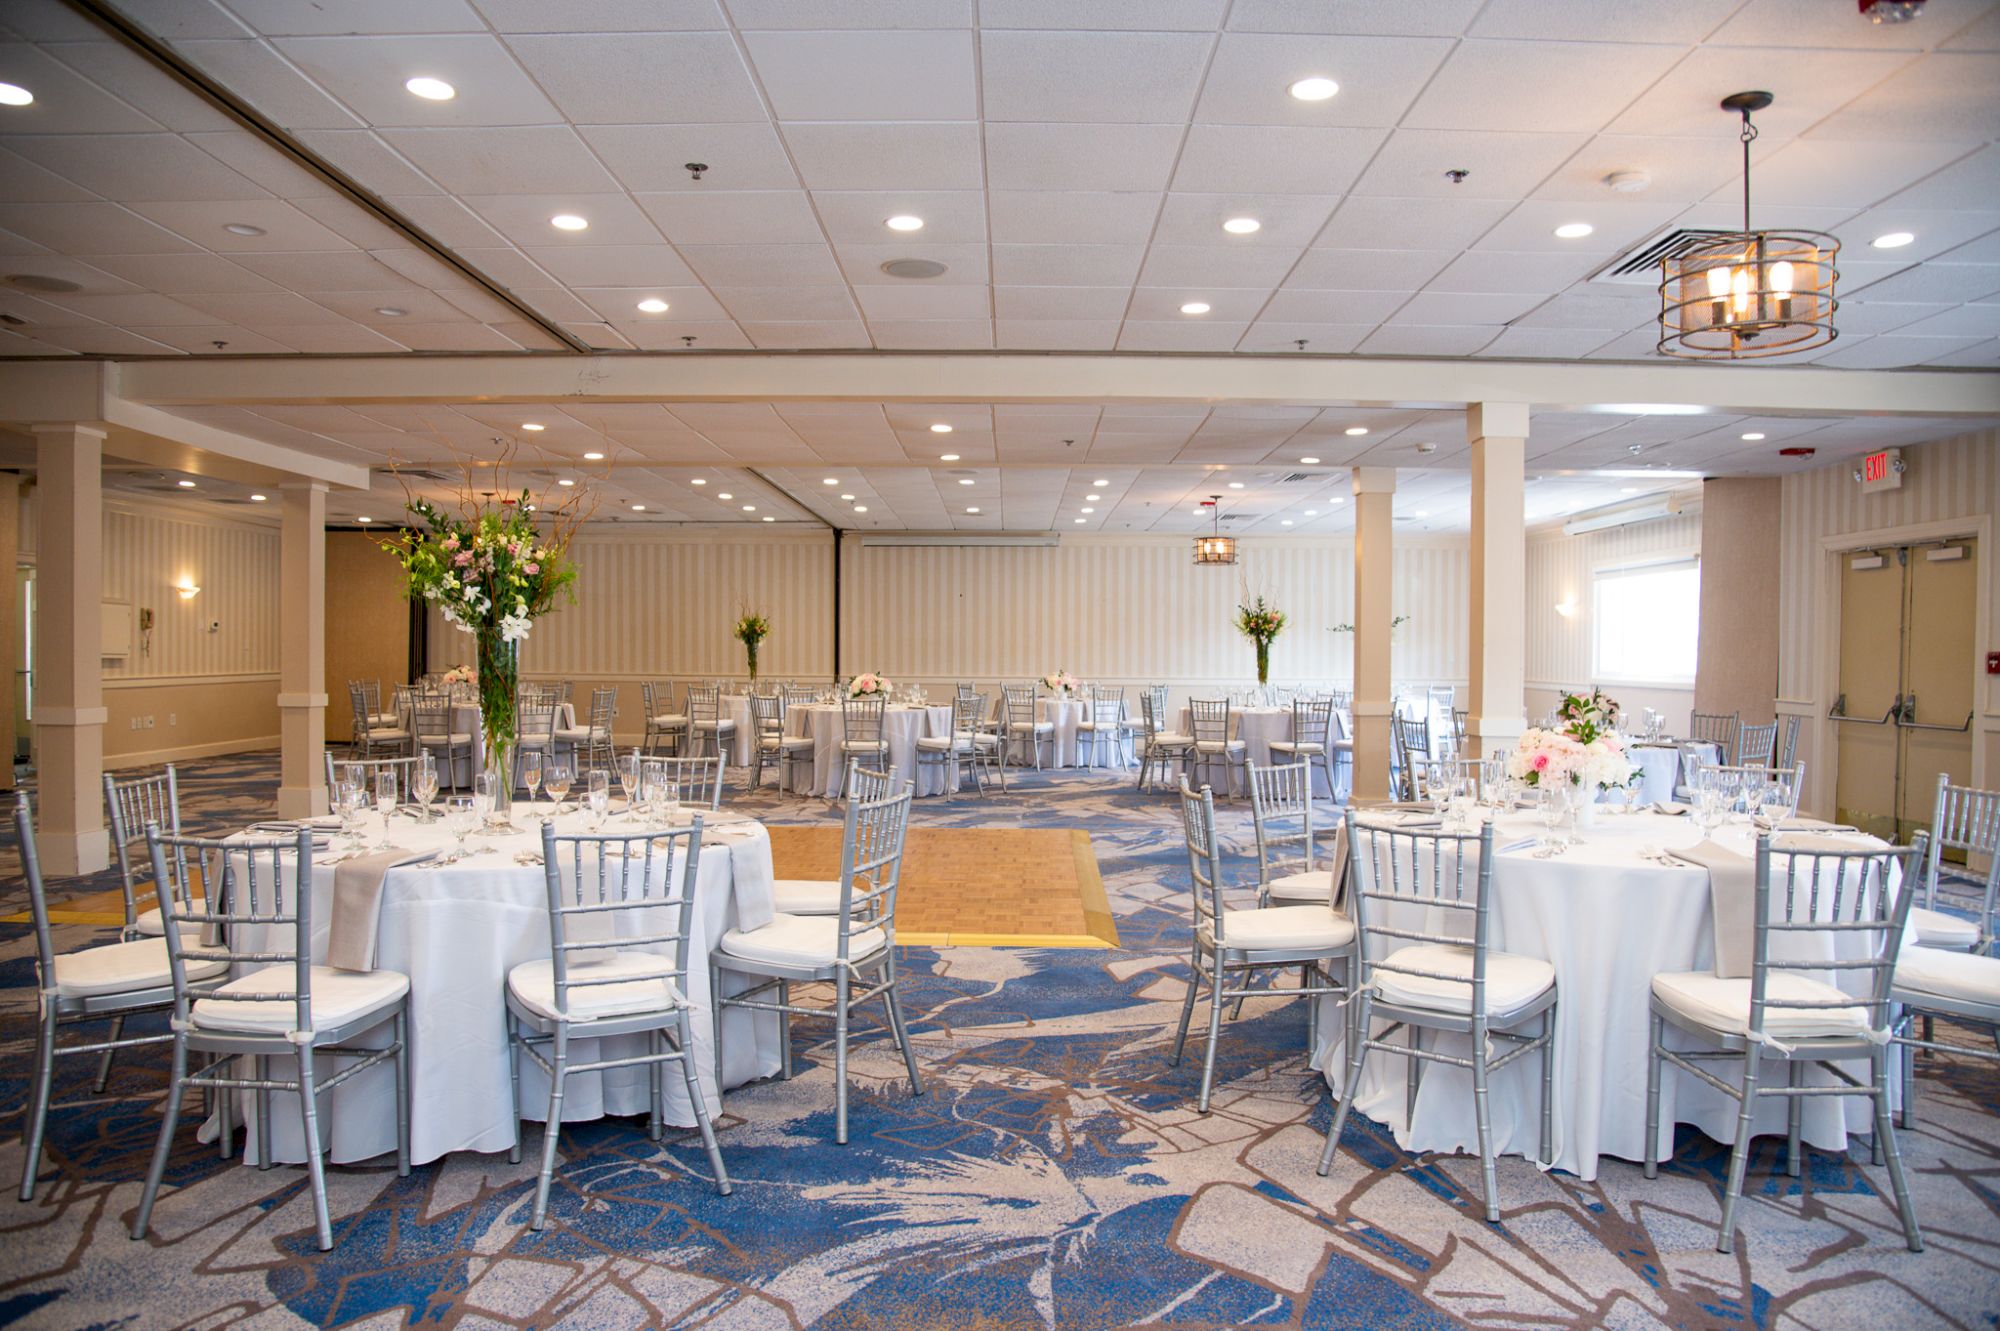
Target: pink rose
1541,762
462,558
531,569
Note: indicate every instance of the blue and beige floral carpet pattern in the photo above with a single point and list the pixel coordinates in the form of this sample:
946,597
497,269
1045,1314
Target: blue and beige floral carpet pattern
1054,1175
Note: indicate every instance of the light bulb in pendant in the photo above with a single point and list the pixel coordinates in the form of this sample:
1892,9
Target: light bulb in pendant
1741,289
1781,286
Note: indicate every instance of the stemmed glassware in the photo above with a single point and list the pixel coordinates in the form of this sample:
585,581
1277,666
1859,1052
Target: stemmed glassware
628,778
1552,806
482,797
352,800
385,799
461,816
598,798
557,784
531,777
424,785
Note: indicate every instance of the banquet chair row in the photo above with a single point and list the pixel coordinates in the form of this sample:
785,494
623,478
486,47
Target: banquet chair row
965,748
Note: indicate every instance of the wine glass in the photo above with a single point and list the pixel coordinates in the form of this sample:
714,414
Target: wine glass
1551,803
483,796
1781,800
670,799
557,784
531,777
628,778
461,815
1437,785
348,801
598,798
385,798
424,785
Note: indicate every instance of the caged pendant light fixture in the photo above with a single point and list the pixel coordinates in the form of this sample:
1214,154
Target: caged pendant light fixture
1747,294
1214,548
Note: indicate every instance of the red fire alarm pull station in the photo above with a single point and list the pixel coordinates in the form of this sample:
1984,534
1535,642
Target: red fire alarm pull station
1993,663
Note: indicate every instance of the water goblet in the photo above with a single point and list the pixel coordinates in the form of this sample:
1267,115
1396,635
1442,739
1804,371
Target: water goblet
557,784
424,785
483,797
598,798
385,798
531,777
461,816
670,801
628,778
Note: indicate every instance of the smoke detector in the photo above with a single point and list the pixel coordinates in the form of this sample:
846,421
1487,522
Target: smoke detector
1627,182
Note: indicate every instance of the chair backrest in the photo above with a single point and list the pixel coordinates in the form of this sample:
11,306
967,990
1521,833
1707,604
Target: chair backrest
698,779
624,893
1208,718
798,693
704,706
256,911
966,688
1483,777
651,694
38,905
1281,806
861,718
1415,732
535,713
1966,819
1830,894
1107,709
871,865
767,716
1718,728
865,783
370,769
131,805
1019,702
1204,856
1788,748
1733,774
1756,746
1153,711
603,707
430,715
967,711
1312,721
363,707
1446,877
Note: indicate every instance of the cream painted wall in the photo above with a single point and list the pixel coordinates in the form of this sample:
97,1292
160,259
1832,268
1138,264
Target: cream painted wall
1951,487
1738,666
371,623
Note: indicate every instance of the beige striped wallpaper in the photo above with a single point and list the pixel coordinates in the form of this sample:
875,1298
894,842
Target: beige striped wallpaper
150,547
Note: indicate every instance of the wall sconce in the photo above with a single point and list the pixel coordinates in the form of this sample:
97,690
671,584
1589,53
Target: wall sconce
1567,609
187,589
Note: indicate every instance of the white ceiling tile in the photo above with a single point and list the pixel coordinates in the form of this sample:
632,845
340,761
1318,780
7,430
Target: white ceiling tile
256,162
1250,77
1289,221
1321,339
1984,250
462,336
1808,85
1936,232
106,275
1677,21
446,221
754,14
758,265
734,217
1057,217
262,309
235,341
512,16
1440,18
1104,77
1499,165
1226,305
360,227
1500,270
1944,283
536,159
964,264
886,156
89,228
363,155
56,23
1333,307
1976,320
1894,351
1066,265
1104,15
932,334
1544,85
1367,270
1216,265
1531,226
1981,355
129,310
21,181
804,335
909,75
1080,157
135,81
601,336
418,307
294,18
620,305
1422,224
861,216
1851,173
367,75
1273,159
1184,335
1971,182
924,300
818,304
66,102
1777,22
1979,34
329,339
1032,304
642,78
101,341
1613,311
524,219
669,336
609,265
653,158
345,270
1434,307
285,227
1544,343
1431,340
1867,317
1680,170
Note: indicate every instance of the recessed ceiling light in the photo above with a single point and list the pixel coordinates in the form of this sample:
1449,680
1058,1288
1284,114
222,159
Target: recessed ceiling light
599,457
652,305
1087,509
258,499
533,427
1242,226
1313,512
947,457
431,90
699,480
1079,521
830,480
638,508
1284,522
1423,512
242,229
965,480
940,428
13,94
1895,240
568,222
861,508
973,509
1101,482
1309,462
725,495
565,481
1574,230
1195,307
390,311
769,518
749,508
1356,431
848,498
364,520
905,222
1753,437
1236,485
1337,501
186,485
1093,498
1314,89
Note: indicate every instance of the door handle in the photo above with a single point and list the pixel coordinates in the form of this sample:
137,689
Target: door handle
1838,712
1907,720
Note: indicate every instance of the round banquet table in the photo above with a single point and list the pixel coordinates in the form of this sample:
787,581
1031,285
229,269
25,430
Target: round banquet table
1071,747
826,725
1608,920
736,707
1257,727
456,930
1660,768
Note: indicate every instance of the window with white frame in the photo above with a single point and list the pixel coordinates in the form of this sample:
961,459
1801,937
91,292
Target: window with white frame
1644,622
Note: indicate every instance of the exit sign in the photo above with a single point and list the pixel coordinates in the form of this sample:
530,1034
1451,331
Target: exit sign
1881,471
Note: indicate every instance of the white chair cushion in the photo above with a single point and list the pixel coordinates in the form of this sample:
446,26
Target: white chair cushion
1169,737
581,735
376,736
1311,885
1023,727
454,739
799,940
1297,746
1965,976
773,743
1218,746
149,923
383,718
669,720
944,744
125,968
1720,1004
1934,928
338,997
1287,927
725,724
806,896
644,990
1512,981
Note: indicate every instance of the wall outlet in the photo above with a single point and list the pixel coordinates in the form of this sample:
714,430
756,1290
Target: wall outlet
215,626
170,719
149,721
135,723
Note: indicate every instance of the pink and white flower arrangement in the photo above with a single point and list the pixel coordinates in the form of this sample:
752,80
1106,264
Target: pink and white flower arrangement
1061,683
1586,752
868,685
463,674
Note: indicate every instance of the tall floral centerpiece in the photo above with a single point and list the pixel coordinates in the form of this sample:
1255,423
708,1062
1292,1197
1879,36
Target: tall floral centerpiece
1260,622
751,629
1584,754
491,573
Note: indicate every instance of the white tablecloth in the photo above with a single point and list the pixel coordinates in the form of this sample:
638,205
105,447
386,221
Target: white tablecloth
456,930
1257,727
826,725
1659,768
1608,921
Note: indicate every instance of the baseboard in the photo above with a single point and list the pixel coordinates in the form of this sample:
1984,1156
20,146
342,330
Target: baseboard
182,753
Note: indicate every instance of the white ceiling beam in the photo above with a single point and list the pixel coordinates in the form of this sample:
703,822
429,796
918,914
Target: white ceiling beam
1035,378
140,433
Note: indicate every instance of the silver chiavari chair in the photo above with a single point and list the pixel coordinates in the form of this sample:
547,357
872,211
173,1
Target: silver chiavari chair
1312,736
1788,748
536,709
709,729
964,744
863,733
1235,943
132,805
821,896
259,915
96,984
1288,849
1208,718
1413,748
1017,704
1717,728
369,769
699,780
772,745
1966,820
854,946
1104,723
1420,974
665,728
621,912
1757,746
1161,747
430,720
1819,915
590,744
374,731
1933,982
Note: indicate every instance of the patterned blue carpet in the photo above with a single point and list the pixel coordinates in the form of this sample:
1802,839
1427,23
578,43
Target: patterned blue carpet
1054,1176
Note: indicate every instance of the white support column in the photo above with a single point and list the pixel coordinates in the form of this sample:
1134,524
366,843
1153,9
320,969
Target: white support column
1496,704
69,641
302,653
1374,615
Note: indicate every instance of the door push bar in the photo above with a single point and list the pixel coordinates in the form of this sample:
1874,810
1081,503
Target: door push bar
1906,719
1838,712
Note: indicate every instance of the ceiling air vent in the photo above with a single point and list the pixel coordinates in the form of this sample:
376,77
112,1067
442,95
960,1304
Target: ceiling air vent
1301,477
1640,265
410,473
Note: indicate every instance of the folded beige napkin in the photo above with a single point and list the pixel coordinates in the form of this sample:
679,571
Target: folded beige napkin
1732,893
1805,843
1340,867
357,906
1807,825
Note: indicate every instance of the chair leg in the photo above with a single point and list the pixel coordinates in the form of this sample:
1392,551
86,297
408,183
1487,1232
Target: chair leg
700,1103
1357,1050
1794,1116
514,1086
1885,1134
893,997
1482,1113
38,1117
1413,1075
402,1036
262,1064
553,1130
1549,1087
168,1122
1653,1069
1906,1062
104,1059
1214,1032
1187,1009
656,1044
1739,1155
315,1162
840,987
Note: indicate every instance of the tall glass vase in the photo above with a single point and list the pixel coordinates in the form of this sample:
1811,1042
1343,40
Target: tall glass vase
1263,662
750,649
499,679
